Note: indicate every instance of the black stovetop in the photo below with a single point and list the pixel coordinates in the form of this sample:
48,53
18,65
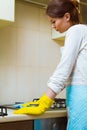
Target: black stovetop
59,104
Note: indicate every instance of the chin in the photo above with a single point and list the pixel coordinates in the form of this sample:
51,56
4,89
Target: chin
58,30
61,31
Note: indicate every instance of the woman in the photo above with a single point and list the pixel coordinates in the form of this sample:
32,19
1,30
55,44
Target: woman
71,71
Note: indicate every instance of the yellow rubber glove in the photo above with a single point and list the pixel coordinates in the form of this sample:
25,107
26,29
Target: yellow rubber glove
44,103
28,104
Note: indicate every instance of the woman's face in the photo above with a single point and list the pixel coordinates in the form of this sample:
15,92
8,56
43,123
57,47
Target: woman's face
61,24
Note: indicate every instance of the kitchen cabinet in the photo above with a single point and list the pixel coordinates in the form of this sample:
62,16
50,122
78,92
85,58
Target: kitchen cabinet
58,123
17,125
6,12
57,35
56,118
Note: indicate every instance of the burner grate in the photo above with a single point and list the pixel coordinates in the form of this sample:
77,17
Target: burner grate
60,103
3,111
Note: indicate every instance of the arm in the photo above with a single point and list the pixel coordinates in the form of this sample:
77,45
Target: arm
51,94
69,57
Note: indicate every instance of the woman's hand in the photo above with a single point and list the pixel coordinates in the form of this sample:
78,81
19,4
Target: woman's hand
36,108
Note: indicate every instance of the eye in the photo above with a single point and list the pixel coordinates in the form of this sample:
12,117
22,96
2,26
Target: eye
53,22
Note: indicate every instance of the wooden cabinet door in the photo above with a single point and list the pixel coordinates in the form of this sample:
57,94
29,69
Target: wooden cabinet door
18,125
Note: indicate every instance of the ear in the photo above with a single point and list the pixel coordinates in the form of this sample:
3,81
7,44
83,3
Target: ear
67,16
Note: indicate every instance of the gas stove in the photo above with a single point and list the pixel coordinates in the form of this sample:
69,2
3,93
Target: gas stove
59,104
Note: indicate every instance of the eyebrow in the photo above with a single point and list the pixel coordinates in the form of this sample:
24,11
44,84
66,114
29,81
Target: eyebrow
52,20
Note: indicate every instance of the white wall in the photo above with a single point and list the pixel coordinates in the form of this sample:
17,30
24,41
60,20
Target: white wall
28,56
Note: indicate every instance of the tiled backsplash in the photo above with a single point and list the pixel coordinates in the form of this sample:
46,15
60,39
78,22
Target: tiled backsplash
28,56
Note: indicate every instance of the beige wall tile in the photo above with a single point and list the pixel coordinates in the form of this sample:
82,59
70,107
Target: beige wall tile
28,56
27,16
27,82
27,47
8,84
8,39
44,23
48,52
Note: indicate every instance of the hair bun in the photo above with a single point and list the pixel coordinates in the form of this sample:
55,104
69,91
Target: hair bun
75,3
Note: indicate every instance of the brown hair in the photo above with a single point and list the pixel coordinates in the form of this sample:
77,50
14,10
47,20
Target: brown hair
57,9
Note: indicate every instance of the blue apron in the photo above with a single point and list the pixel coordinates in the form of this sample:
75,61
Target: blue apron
76,101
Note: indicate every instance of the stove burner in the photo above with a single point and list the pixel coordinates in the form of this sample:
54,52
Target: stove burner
59,103
3,111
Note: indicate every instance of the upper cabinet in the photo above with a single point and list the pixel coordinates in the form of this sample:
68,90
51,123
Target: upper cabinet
7,8
57,36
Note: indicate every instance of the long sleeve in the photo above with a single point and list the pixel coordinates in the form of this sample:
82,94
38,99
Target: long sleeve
70,54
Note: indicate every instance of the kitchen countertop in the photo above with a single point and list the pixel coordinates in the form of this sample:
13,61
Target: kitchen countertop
20,117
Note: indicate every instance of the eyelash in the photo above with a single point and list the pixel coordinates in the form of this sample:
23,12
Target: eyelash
53,22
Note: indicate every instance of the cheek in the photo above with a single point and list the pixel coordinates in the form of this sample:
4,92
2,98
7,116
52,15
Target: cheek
59,23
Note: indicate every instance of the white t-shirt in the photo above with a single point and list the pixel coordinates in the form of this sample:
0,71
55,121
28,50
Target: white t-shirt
72,69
